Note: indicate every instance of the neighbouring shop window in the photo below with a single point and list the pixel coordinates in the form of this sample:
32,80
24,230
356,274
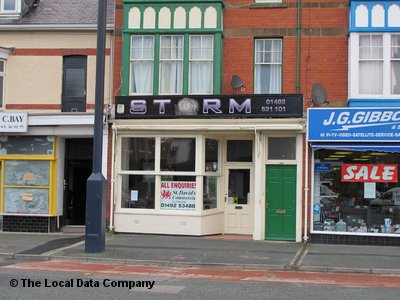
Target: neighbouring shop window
178,193
138,191
282,148
210,191
268,66
178,154
138,154
239,151
19,178
27,145
356,191
212,155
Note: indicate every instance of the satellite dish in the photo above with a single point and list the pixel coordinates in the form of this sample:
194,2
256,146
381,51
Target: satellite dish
319,95
237,83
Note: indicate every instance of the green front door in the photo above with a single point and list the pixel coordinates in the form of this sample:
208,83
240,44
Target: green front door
280,206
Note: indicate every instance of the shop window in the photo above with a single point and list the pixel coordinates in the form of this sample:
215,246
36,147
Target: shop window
178,154
19,178
138,154
281,148
268,66
210,185
356,192
2,81
212,155
239,151
39,145
138,191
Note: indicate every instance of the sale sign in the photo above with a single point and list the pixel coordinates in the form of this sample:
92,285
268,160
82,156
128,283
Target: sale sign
369,173
179,195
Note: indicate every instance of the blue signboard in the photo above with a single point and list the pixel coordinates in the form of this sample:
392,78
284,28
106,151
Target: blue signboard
323,167
353,124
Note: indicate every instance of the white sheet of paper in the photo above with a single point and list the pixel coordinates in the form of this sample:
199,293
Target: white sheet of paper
370,190
134,195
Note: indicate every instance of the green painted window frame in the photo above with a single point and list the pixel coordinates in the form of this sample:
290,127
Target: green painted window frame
215,32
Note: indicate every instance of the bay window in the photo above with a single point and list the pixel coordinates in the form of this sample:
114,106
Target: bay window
159,64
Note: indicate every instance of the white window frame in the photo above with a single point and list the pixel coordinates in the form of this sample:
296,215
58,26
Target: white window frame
15,11
354,58
176,60
132,61
267,63
202,59
3,76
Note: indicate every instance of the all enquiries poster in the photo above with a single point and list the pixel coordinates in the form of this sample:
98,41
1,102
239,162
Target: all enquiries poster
178,195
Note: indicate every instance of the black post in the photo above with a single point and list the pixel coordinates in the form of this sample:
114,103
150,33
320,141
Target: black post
96,183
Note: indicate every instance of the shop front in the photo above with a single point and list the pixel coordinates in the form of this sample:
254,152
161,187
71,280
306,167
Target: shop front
45,161
197,166
355,162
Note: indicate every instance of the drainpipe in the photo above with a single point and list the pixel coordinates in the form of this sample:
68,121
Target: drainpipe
298,46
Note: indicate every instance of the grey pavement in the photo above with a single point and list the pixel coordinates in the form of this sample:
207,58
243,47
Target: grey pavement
219,251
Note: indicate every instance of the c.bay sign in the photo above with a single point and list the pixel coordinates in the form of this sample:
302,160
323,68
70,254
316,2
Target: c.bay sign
210,106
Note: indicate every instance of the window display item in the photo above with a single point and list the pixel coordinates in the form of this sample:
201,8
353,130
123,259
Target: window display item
329,225
340,226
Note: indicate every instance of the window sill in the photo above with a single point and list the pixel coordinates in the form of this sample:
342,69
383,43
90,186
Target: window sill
268,5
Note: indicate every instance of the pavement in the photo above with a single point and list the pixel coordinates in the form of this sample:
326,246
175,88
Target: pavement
221,251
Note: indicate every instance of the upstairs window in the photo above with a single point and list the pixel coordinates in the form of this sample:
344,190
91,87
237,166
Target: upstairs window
9,6
268,66
159,64
371,64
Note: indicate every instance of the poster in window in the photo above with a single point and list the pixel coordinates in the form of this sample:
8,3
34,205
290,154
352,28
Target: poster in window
178,195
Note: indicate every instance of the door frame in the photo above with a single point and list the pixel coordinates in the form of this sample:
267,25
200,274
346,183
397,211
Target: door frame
236,166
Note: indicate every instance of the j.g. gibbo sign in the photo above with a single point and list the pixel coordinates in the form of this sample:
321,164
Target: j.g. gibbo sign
353,124
210,106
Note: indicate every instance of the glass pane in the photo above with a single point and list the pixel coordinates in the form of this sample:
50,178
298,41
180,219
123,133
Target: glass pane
240,151
26,145
371,77
282,148
395,78
1,66
75,82
210,192
178,193
171,77
10,5
26,201
138,191
27,173
142,77
212,154
178,154
200,77
239,186
395,53
138,154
